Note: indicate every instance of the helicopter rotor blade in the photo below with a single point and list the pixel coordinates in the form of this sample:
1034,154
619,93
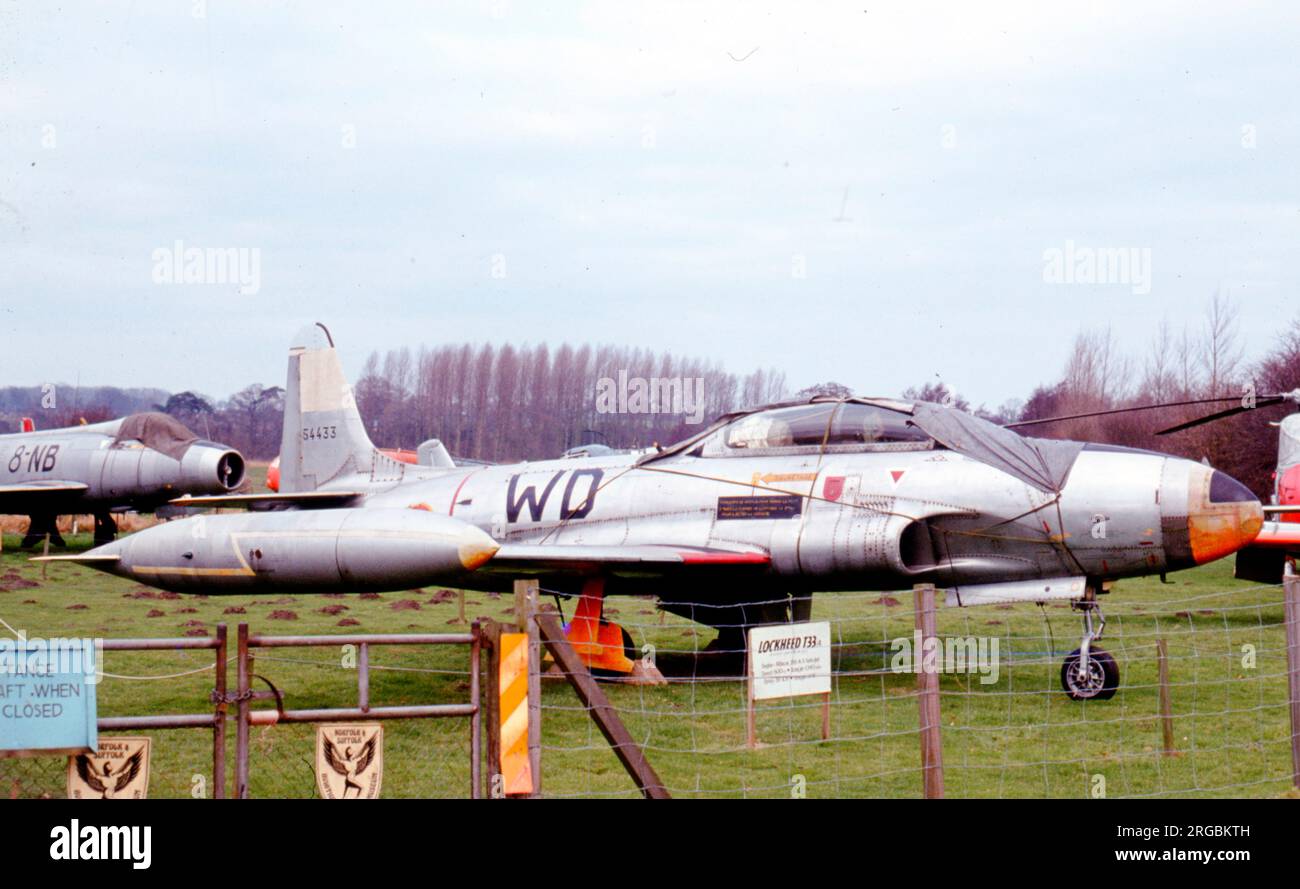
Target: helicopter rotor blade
1266,401
1122,410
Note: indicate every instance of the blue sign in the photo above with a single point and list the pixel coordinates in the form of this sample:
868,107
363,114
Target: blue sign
47,696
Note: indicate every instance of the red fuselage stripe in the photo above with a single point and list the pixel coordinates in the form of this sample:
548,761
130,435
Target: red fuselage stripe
454,497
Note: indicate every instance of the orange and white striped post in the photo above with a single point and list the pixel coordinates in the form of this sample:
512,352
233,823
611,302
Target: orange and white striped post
512,681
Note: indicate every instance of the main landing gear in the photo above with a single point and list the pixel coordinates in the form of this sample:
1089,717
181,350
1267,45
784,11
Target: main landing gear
38,527
105,528
1090,673
604,646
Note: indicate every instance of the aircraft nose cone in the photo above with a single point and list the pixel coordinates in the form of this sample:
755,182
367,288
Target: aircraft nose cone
1223,516
1205,514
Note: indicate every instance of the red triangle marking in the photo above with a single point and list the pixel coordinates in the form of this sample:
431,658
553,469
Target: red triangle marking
897,474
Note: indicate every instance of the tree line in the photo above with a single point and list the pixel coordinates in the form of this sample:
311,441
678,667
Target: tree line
485,402
1202,359
505,402
508,402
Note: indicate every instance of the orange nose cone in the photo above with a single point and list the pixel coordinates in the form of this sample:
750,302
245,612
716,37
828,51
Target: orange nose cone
1227,518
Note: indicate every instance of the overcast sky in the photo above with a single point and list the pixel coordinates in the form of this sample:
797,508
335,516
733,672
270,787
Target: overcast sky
853,192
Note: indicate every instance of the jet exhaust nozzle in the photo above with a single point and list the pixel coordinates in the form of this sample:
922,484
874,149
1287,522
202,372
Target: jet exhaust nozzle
210,468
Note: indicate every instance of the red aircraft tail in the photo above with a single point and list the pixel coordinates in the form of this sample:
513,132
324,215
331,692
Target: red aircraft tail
1279,539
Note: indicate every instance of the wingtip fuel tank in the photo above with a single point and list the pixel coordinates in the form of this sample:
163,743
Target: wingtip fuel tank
325,550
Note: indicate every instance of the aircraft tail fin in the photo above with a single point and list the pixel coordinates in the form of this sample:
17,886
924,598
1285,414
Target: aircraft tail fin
324,438
1287,476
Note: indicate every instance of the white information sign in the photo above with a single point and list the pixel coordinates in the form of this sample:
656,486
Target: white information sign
788,660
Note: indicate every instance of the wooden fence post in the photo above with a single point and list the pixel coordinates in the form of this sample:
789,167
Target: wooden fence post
927,688
492,709
1166,712
599,708
751,727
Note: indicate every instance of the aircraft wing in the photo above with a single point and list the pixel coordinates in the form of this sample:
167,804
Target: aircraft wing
627,560
27,489
303,500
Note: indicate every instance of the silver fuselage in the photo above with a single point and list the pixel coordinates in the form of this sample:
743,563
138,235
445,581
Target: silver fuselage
882,520
114,474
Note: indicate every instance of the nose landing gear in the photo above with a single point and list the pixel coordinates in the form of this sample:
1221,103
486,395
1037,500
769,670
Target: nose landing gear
1089,673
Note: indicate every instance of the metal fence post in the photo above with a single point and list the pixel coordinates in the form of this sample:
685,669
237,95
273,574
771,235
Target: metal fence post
219,719
1291,595
363,676
927,688
241,727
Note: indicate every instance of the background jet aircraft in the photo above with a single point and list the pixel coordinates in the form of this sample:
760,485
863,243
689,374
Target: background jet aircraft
734,527
1279,539
139,462
431,453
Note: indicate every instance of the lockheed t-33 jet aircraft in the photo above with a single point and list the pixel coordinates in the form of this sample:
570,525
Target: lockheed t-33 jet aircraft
733,527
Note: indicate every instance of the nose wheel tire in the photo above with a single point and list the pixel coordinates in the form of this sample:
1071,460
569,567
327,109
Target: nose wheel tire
1098,682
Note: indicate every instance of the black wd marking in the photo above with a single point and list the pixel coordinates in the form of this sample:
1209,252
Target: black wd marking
529,497
571,506
588,501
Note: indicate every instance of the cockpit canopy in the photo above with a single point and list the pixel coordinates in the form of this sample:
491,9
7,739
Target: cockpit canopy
826,425
837,425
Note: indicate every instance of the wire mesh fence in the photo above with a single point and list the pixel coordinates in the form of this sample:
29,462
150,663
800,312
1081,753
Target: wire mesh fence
1218,725
1008,727
35,778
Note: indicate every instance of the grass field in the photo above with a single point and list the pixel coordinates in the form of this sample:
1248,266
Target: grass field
1018,737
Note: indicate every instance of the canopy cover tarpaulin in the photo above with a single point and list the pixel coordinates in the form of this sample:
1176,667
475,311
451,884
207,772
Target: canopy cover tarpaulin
160,432
1041,462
